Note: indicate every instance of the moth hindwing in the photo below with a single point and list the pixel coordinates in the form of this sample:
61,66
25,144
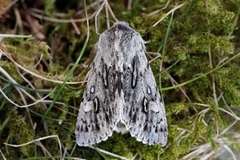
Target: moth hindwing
121,89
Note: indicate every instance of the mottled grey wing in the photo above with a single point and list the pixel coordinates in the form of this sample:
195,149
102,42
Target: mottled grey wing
143,112
98,113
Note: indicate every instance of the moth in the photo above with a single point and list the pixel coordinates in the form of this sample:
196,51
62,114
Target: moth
121,90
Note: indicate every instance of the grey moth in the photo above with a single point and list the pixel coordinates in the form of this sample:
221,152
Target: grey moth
121,90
